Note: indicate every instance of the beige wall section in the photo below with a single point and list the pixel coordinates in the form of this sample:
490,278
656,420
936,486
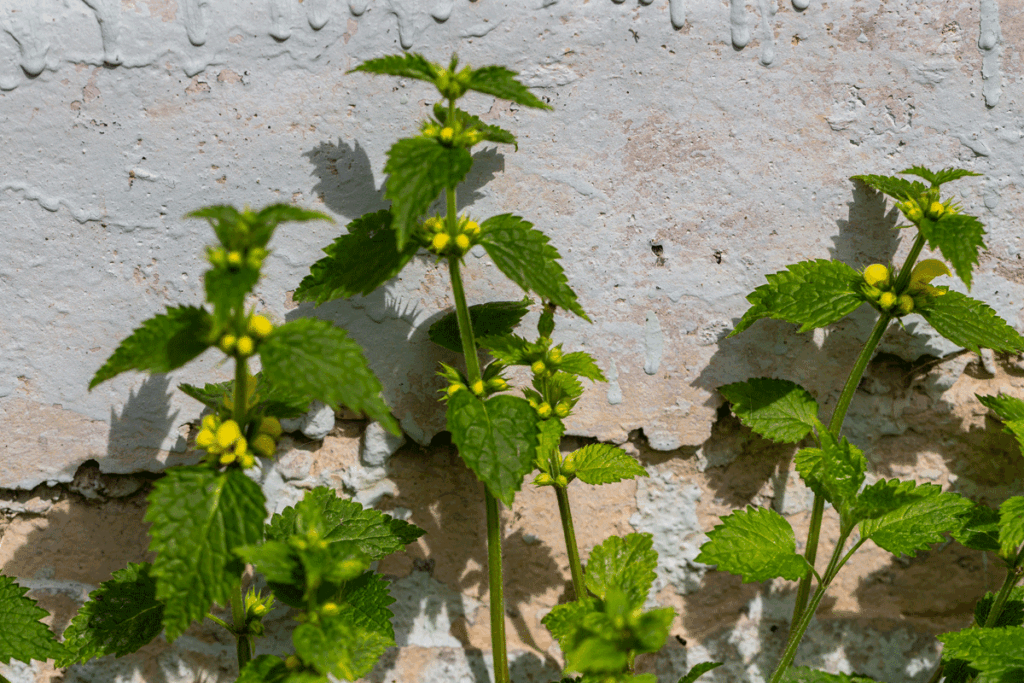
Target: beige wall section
694,147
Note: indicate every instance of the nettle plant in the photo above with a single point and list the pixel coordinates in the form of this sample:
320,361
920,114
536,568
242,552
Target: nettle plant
210,519
901,517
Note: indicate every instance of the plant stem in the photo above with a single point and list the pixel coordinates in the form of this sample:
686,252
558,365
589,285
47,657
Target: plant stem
578,585
242,648
239,410
937,676
1012,577
469,352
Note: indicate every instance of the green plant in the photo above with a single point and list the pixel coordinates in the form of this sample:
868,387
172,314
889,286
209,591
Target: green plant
501,437
899,516
208,520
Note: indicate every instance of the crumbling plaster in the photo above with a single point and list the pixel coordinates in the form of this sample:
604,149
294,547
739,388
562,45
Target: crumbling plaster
694,146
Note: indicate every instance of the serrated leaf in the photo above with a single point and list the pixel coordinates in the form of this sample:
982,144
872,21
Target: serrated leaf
338,647
757,544
626,564
970,323
161,344
937,178
995,652
564,620
1008,408
811,293
272,669
774,408
489,320
496,439
699,670
317,360
269,217
885,496
470,122
897,188
408,65
357,262
802,674
121,616
223,218
501,82
834,471
509,348
918,524
981,529
581,364
524,255
210,395
1012,613
600,463
418,170
198,516
366,604
375,533
959,237
276,560
22,636
1011,526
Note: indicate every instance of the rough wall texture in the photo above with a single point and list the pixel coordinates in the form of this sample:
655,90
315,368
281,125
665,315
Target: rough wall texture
695,146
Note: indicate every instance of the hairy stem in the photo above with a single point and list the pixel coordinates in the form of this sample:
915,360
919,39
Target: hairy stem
469,351
1012,577
578,585
239,409
238,618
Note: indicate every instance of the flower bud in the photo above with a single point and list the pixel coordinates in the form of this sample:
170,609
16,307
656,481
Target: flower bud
434,224
440,242
241,446
544,410
205,438
872,292
330,609
228,433
234,259
245,346
210,422
462,242
454,389
246,460
471,228
543,479
227,458
497,384
904,304
936,210
886,300
259,326
265,445
478,387
292,662
555,355
876,275
915,214
538,367
561,481
227,343
217,257
446,135
563,409
270,425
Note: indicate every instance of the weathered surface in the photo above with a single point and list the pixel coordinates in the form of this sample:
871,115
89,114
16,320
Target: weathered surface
694,147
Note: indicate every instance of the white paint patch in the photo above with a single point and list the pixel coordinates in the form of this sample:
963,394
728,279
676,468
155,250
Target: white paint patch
108,16
317,13
26,31
196,23
442,10
654,343
738,28
281,19
614,390
357,7
989,44
768,9
677,13
801,5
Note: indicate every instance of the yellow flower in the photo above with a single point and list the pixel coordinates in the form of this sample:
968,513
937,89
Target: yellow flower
235,259
245,345
471,228
447,135
264,445
227,343
544,410
887,300
876,275
205,438
440,242
210,422
227,458
246,460
259,326
271,426
228,433
462,242
478,387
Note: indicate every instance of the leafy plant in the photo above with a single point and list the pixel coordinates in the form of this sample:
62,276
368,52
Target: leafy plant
899,516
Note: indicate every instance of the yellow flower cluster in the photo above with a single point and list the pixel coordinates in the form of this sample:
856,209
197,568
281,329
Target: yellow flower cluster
234,259
454,135
441,242
223,440
878,285
257,329
927,206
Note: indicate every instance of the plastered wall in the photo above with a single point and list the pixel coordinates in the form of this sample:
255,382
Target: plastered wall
694,146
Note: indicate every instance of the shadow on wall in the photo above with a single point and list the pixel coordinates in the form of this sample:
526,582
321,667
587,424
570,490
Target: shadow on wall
143,425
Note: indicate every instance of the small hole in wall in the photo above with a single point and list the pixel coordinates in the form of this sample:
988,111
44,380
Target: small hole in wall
681,640
718,256
659,252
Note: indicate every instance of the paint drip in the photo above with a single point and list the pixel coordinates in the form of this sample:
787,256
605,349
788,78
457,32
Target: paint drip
108,16
195,21
989,44
281,19
677,13
317,13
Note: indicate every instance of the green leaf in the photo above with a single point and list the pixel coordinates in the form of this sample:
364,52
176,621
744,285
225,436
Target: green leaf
581,364
564,620
1008,408
338,647
699,670
357,262
223,218
835,471
937,178
757,544
509,348
210,395
1013,608
1011,526
272,669
276,560
897,188
367,599
811,293
802,674
981,529
501,82
408,65
995,652
525,257
267,220
418,170
470,122
496,439
317,360
493,319
600,463
970,323
22,636
774,408
121,616
266,400
959,237
915,525
626,564
161,344
375,533
226,290
198,516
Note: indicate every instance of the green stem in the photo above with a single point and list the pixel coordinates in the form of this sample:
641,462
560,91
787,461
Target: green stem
220,622
578,585
238,618
937,676
903,279
1012,577
501,674
239,410
469,352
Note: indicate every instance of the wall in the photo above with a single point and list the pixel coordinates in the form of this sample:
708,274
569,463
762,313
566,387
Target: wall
694,146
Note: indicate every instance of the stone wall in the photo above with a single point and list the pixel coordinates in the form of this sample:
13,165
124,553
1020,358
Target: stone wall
694,146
